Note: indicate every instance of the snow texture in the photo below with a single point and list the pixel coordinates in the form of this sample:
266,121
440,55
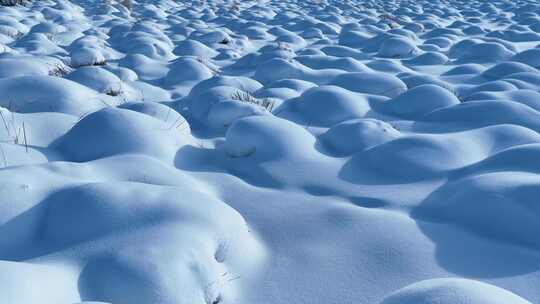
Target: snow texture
270,151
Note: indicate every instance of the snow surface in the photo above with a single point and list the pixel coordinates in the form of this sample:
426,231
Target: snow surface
270,151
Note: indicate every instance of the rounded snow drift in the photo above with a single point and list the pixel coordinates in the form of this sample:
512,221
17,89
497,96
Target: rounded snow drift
194,48
357,135
428,58
497,205
113,131
371,83
182,236
267,137
49,94
328,105
97,79
419,101
397,48
530,57
87,56
187,69
484,53
503,69
159,111
451,291
224,113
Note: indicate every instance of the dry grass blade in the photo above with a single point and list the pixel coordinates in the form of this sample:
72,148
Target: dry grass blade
25,141
248,98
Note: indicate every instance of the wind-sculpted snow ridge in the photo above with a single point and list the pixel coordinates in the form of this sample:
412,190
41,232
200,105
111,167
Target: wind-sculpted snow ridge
274,151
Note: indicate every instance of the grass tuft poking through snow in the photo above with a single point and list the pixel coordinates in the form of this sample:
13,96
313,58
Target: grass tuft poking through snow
246,97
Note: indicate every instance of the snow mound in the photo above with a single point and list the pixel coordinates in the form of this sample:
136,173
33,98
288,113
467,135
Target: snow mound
185,70
386,65
113,131
145,67
357,135
442,154
49,94
279,68
503,207
87,56
99,80
528,97
465,69
158,111
530,57
397,48
452,290
226,112
419,101
471,114
194,48
503,69
145,144
267,137
30,66
206,97
200,236
484,52
240,83
326,62
413,80
371,83
328,105
428,58
352,38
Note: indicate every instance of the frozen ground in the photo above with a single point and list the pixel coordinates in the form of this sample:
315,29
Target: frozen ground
270,152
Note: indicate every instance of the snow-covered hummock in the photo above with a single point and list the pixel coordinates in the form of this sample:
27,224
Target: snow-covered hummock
449,290
257,151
